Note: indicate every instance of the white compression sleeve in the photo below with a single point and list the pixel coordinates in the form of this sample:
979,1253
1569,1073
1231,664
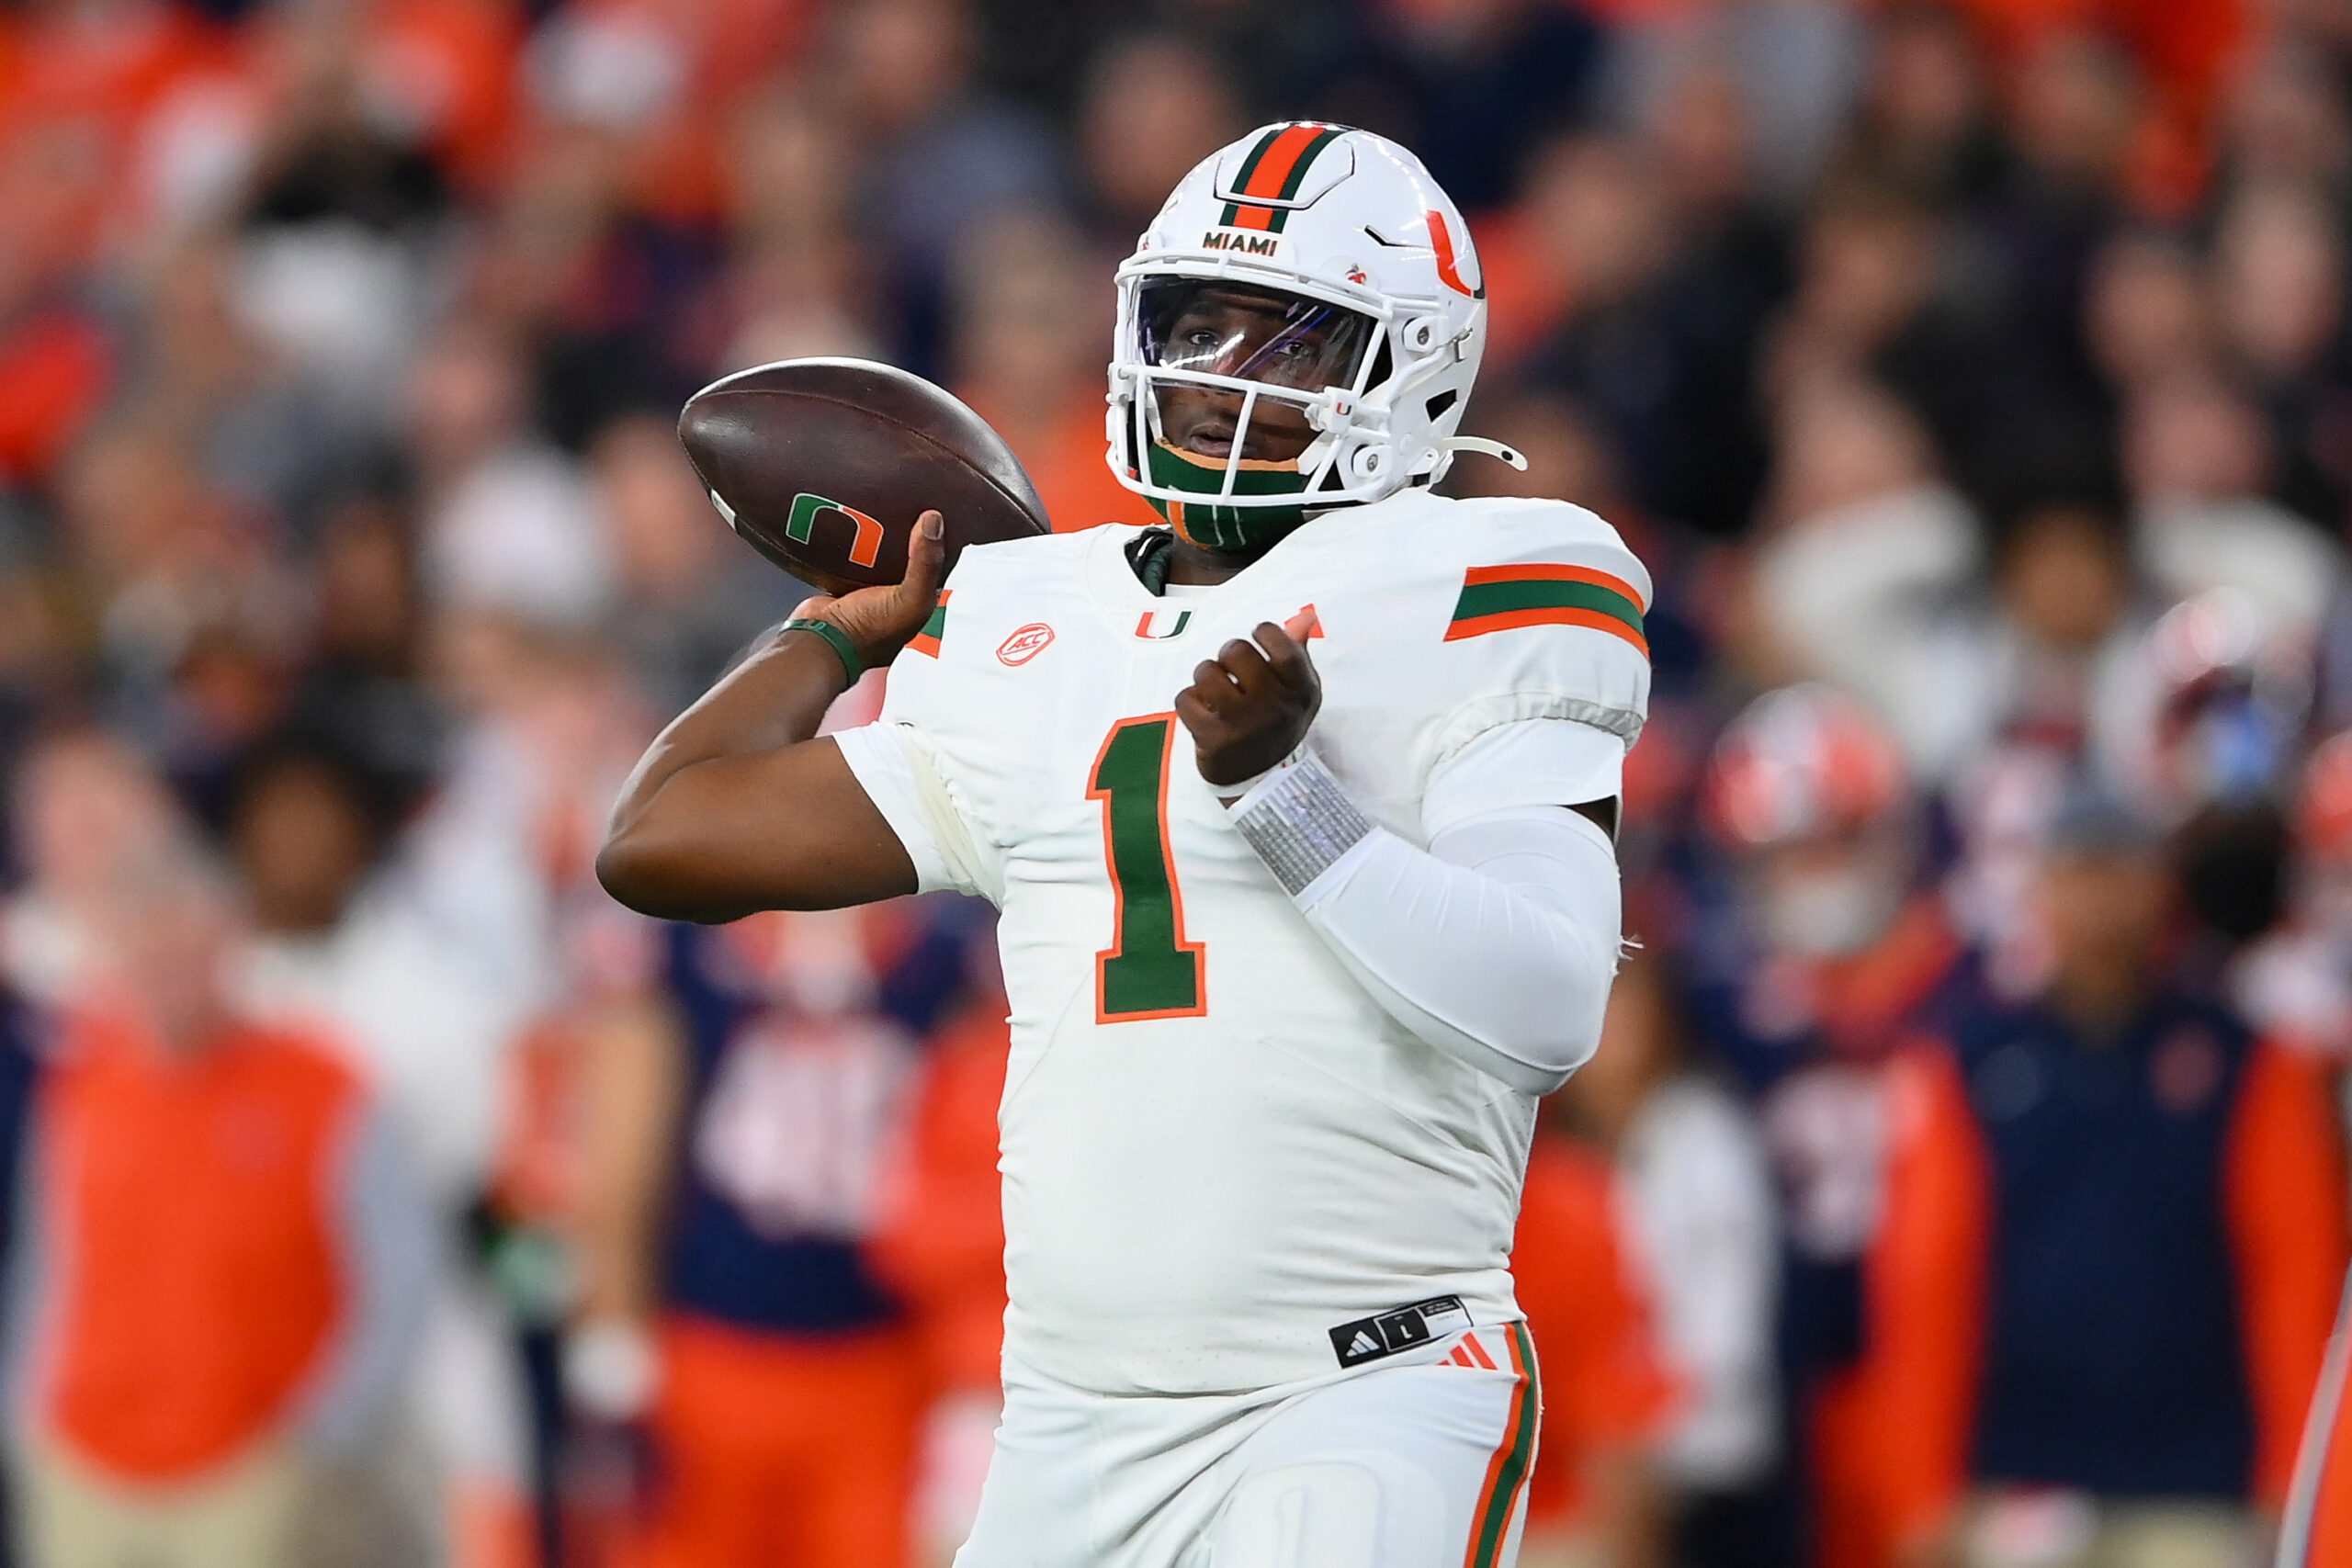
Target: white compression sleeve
1497,944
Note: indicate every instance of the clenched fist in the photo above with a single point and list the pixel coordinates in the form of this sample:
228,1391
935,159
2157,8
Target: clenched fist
1249,707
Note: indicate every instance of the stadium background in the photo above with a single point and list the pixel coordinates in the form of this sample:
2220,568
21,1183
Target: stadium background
1976,378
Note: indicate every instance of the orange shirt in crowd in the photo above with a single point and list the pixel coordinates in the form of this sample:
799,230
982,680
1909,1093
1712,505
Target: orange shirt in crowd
1065,461
941,1237
1606,1386
192,1276
55,366
1889,1435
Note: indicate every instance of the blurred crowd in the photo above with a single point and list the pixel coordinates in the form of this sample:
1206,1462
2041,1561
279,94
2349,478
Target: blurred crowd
1961,1179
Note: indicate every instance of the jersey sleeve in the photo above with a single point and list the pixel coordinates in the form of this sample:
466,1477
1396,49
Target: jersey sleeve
895,767
1534,761
1538,615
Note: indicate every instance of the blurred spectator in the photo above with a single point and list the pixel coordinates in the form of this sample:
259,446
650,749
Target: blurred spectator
2198,460
1154,105
2278,279
739,1342
939,154
2295,985
1030,359
1880,579
1469,83
1659,345
87,809
347,938
172,1413
363,682
2146,317
2154,1221
1870,548
509,522
1609,1395
1925,124
683,612
802,280
1697,1196
1827,959
940,1242
1790,65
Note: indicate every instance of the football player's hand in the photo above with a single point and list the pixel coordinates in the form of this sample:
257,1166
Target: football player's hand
880,621
1249,707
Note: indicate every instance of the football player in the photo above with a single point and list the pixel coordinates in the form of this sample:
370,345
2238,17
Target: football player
1297,813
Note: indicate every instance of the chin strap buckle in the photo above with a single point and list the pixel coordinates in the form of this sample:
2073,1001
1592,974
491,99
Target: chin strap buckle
1485,448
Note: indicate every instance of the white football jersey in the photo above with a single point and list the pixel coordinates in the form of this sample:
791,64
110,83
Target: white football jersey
1220,1156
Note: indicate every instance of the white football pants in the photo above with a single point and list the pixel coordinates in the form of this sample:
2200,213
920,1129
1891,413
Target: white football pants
1419,1461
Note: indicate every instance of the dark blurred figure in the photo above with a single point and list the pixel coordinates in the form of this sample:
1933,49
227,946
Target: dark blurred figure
1704,1220
1152,106
1657,342
689,598
939,151
1471,85
1926,122
2153,1220
363,682
1812,977
749,1388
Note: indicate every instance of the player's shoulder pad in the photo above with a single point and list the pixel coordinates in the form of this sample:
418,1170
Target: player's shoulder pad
1543,562
1001,568
1519,608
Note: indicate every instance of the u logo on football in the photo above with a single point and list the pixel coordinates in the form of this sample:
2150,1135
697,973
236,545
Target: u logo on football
1025,644
805,506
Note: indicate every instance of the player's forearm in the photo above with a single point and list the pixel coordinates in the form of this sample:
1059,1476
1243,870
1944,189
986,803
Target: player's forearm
774,699
737,807
1497,946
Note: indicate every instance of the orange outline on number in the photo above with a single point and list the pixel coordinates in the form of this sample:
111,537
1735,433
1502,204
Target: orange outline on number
1167,864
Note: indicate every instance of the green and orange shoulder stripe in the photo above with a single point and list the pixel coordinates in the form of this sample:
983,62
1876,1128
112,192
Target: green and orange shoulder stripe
927,639
1548,593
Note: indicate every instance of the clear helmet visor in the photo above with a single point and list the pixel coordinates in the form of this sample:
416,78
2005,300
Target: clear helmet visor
1250,335
1289,348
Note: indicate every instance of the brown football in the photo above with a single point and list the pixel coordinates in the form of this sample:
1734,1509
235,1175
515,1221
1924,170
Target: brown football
823,465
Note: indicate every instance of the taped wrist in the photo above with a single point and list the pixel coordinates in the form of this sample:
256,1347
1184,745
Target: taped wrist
1299,821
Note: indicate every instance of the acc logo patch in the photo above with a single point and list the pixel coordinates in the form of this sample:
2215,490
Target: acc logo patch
1025,644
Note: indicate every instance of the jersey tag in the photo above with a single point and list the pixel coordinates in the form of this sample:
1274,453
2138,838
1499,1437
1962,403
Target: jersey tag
1369,1338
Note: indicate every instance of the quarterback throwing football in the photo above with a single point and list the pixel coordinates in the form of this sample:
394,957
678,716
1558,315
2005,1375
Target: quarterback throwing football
1297,813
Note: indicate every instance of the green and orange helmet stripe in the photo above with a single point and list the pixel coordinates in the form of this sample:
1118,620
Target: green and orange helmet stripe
1273,171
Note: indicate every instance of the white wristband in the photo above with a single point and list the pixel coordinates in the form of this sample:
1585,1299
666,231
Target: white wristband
1300,821
1230,793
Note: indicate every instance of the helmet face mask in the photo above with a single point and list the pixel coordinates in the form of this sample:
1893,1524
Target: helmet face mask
1308,350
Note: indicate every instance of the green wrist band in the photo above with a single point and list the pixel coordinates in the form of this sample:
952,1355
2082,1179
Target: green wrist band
852,665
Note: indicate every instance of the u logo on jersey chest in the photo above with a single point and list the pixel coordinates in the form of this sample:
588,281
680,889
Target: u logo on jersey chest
1159,625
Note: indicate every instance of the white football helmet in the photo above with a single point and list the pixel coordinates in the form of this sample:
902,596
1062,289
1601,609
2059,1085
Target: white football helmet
1298,329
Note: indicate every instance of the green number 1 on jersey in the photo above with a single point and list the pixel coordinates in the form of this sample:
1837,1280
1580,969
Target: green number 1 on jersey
1149,970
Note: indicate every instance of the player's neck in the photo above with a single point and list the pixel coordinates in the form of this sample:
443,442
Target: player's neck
1189,565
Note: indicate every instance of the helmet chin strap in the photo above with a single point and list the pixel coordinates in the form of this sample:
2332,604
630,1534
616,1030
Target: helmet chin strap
1485,448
